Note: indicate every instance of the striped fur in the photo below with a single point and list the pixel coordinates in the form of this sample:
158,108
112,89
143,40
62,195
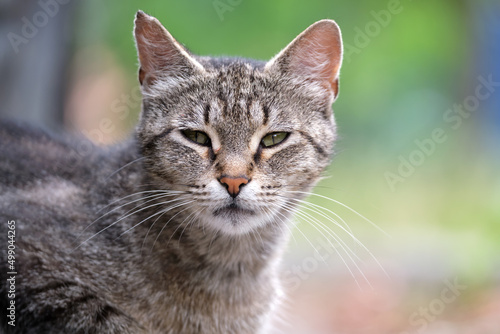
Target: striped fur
143,237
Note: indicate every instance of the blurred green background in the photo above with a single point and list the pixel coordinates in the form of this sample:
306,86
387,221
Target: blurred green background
408,67
396,86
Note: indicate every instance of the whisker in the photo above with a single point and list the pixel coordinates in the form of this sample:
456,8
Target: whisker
155,197
189,222
179,226
272,220
348,232
342,204
116,222
340,242
298,229
165,225
155,214
150,227
124,166
255,235
301,201
199,213
356,240
309,218
142,192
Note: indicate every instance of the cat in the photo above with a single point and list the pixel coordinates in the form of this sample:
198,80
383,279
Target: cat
181,228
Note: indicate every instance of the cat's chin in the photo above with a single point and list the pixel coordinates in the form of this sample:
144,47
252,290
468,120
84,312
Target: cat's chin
234,220
232,212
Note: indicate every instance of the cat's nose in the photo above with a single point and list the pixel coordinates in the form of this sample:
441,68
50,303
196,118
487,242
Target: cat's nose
233,184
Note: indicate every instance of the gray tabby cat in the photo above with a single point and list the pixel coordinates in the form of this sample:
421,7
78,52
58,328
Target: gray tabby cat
181,229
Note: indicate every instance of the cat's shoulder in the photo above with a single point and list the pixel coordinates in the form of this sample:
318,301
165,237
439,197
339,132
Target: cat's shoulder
44,174
18,137
30,154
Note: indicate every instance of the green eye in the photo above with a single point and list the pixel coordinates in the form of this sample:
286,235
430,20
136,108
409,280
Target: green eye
272,139
197,136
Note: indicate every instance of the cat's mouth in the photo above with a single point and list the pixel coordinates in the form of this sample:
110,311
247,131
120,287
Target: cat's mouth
232,210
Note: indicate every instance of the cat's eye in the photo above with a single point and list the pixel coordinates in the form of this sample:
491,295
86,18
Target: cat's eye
274,138
197,136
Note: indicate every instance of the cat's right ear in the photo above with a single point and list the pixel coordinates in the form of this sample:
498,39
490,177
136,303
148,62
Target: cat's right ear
160,55
314,56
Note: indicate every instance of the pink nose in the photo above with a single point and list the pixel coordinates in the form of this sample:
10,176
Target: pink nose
233,184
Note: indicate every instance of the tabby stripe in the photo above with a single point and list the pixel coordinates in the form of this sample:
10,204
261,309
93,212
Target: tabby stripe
106,312
206,114
150,144
257,155
51,286
265,110
224,106
88,298
249,106
164,104
316,146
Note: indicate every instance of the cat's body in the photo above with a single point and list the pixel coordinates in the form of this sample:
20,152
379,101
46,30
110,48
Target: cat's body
180,229
52,200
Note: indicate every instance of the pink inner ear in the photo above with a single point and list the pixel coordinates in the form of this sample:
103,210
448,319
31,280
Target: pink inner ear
153,45
159,53
318,55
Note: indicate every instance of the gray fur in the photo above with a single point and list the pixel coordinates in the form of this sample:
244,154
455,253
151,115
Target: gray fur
94,251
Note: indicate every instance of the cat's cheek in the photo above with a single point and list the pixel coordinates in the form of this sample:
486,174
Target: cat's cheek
175,163
297,170
289,159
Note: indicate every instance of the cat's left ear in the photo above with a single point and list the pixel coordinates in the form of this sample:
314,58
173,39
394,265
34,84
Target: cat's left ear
315,56
160,55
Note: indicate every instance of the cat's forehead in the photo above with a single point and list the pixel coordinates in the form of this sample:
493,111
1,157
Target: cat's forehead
236,93
230,65
231,95
231,75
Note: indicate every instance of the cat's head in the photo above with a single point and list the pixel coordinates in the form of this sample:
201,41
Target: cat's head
242,138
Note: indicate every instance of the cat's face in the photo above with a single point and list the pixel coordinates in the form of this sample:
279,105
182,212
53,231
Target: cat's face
240,138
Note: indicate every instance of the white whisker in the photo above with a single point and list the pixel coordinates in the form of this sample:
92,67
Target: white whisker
301,201
150,227
154,197
155,214
310,218
348,232
342,204
356,240
283,223
165,225
116,222
179,226
173,192
195,215
298,229
124,166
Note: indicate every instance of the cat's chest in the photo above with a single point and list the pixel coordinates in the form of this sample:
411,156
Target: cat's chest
203,305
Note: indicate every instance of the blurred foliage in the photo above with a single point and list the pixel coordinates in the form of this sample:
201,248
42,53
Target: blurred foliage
394,91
